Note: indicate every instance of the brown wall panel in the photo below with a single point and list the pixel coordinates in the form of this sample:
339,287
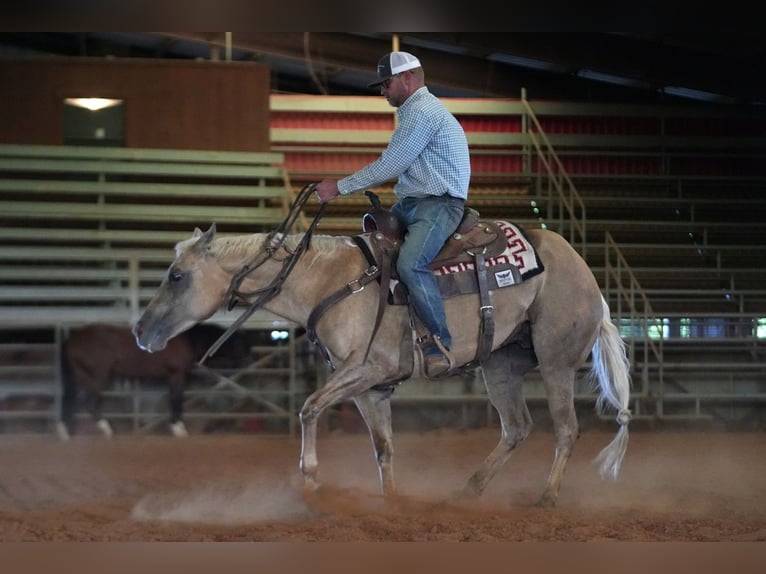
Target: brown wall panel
174,104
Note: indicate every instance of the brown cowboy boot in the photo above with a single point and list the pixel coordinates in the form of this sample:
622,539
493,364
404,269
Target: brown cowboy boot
436,365
437,359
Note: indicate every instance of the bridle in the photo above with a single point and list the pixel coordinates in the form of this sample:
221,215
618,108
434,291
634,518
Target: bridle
275,241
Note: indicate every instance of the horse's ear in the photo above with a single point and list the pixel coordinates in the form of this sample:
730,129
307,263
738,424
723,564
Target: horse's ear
207,237
209,233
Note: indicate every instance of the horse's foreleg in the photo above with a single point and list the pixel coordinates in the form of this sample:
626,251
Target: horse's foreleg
176,404
344,384
559,385
503,376
94,402
309,464
375,408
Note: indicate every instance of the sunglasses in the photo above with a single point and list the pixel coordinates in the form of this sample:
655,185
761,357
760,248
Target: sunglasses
387,82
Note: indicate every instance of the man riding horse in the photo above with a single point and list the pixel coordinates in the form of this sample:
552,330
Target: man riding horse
428,152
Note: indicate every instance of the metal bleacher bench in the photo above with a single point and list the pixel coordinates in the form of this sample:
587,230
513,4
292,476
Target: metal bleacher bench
86,232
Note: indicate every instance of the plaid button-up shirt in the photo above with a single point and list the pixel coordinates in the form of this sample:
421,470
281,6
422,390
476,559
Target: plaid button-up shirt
428,152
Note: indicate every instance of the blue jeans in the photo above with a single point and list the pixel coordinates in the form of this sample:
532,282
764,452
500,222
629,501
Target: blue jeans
428,223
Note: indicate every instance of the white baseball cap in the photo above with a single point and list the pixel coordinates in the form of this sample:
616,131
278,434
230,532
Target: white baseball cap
394,63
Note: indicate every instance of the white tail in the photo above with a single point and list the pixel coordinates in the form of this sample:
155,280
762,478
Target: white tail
611,371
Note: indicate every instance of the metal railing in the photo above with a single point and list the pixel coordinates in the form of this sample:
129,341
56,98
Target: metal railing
562,194
632,306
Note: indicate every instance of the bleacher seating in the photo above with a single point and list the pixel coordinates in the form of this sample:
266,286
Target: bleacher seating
681,190
86,233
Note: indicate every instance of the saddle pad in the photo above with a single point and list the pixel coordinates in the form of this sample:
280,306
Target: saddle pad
518,254
518,262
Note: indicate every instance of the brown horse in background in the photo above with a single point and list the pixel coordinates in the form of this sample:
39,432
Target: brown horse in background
97,353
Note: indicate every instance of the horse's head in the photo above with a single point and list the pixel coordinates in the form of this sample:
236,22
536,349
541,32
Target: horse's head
193,290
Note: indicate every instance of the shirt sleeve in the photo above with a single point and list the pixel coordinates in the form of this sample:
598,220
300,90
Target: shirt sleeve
407,142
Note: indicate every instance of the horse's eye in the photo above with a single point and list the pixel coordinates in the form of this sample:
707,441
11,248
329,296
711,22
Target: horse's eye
175,276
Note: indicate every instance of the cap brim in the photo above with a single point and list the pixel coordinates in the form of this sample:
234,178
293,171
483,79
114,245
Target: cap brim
378,82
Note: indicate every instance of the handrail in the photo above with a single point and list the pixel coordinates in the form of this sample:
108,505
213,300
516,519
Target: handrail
558,176
629,293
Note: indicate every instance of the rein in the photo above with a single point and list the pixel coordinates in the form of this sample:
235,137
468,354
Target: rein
274,242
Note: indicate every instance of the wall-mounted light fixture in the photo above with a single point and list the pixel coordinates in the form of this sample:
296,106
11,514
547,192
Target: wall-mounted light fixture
93,104
93,121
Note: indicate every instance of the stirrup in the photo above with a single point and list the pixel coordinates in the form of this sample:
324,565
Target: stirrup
439,345
436,341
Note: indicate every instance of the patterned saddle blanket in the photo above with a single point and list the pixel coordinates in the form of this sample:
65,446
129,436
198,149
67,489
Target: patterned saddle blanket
507,253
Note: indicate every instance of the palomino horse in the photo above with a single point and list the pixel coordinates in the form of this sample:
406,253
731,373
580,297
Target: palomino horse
96,353
568,316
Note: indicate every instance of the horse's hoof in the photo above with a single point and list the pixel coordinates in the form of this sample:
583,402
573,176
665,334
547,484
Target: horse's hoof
471,491
105,428
317,500
179,430
465,494
62,432
311,486
546,501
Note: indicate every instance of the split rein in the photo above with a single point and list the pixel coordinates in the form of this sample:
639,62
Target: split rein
274,242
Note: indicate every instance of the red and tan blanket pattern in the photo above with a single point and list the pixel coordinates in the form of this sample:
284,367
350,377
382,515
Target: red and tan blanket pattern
518,252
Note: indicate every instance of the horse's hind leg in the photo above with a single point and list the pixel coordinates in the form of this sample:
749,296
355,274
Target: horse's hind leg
559,383
375,408
503,377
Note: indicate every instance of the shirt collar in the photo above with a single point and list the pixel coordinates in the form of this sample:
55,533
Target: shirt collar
416,95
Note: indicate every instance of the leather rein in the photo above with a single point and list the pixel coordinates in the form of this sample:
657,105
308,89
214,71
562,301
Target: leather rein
274,242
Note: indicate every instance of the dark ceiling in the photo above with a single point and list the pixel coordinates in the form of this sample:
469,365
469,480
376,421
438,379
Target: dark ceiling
723,68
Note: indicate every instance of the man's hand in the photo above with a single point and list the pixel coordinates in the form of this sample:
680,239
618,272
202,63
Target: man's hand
327,189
